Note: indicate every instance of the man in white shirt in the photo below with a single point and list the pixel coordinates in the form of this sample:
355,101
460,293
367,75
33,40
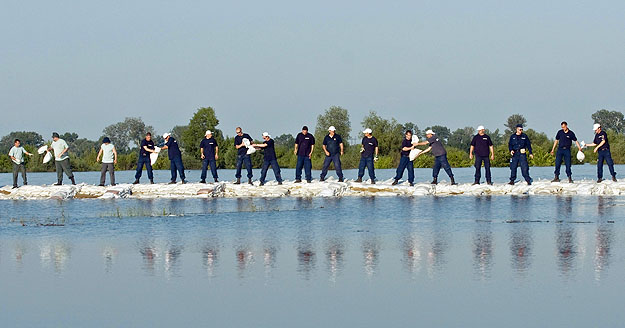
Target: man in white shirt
17,153
109,159
61,159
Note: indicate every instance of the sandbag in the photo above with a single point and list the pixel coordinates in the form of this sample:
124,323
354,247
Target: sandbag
47,158
580,156
414,153
42,149
154,156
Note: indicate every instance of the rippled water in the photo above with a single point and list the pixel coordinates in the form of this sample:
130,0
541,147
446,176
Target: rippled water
368,262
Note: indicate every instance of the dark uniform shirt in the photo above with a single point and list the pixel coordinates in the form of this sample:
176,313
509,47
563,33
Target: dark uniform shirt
173,150
270,150
149,144
599,137
333,144
481,145
405,143
437,146
518,142
305,143
369,145
239,140
566,139
208,147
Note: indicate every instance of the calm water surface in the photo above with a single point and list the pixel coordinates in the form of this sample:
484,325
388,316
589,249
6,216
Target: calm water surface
531,261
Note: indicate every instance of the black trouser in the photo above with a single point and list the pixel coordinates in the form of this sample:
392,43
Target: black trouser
478,168
16,169
566,154
110,167
63,166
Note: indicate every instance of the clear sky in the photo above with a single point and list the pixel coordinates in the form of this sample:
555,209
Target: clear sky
81,65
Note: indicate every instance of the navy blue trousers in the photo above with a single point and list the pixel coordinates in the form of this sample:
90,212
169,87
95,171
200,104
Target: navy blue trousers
336,159
175,166
213,165
405,163
144,160
274,166
441,161
519,159
478,168
248,165
566,154
604,155
303,162
368,163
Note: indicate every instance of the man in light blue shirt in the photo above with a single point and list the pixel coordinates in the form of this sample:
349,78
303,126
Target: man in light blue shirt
17,153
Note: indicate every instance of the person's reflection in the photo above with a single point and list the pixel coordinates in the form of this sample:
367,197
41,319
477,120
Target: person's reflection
305,258
521,240
604,236
565,236
245,257
20,251
62,252
335,251
109,253
483,248
172,258
210,257
149,254
371,252
411,253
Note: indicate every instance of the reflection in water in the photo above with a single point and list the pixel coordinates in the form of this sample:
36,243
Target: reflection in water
335,251
55,252
245,258
172,258
19,252
305,259
483,249
411,253
149,254
371,252
210,255
604,237
109,253
566,244
521,243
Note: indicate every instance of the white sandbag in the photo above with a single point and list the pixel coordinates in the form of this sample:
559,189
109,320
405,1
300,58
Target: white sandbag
415,138
42,149
251,150
47,158
414,153
580,156
248,144
154,156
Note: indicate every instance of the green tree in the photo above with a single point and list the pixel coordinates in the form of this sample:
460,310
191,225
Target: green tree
26,137
339,118
128,133
177,132
69,137
442,132
285,140
461,138
203,119
610,120
512,122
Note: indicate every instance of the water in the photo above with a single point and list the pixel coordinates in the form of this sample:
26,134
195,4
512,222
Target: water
514,261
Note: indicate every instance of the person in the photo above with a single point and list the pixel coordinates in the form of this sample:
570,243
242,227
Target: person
16,153
242,156
482,145
404,160
518,145
304,146
564,140
333,148
61,159
368,155
109,159
145,149
602,148
209,152
440,156
269,159
175,158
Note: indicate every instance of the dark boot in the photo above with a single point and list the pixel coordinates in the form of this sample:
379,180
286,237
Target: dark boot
238,181
136,181
202,181
309,181
216,180
172,182
490,183
453,182
476,182
511,182
358,180
280,183
570,180
395,182
249,181
434,181
556,179
73,180
372,181
412,184
60,182
151,181
599,180
614,178
322,179
183,181
341,180
298,181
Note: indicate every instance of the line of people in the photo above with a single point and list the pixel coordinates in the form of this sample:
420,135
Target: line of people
481,150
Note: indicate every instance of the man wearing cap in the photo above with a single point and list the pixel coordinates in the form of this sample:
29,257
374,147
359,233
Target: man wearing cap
519,145
109,159
242,156
602,148
333,148
564,141
145,149
61,159
16,153
404,161
209,154
368,155
440,156
270,159
482,145
175,158
304,146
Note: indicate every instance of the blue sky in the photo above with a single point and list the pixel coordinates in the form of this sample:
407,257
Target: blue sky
274,66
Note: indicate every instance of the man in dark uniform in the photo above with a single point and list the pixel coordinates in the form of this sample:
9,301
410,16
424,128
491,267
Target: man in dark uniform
440,156
404,161
175,158
333,148
519,144
270,159
564,141
602,148
368,155
483,147
304,146
242,156
209,152
146,147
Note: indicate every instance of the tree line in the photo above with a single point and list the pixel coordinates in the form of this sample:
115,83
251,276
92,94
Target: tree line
127,134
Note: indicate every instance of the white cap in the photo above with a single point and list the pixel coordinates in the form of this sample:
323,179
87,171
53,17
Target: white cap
367,130
332,128
480,128
266,134
165,135
429,132
596,126
208,132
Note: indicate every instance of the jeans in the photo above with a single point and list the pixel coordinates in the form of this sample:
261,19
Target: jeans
175,164
366,162
248,166
63,166
566,154
336,158
107,167
405,163
519,159
276,170
205,164
441,161
17,168
303,162
144,160
604,155
478,168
